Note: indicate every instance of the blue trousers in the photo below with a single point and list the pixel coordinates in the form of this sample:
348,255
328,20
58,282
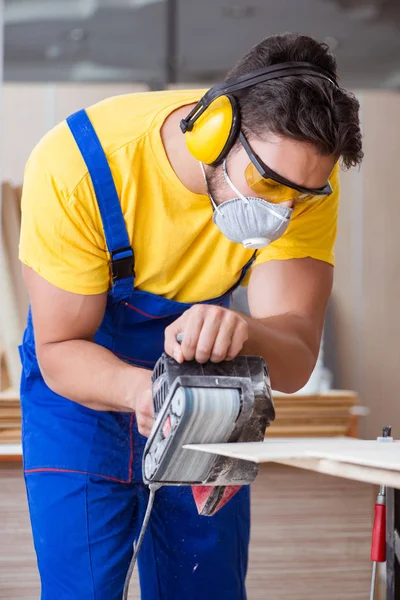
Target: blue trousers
84,527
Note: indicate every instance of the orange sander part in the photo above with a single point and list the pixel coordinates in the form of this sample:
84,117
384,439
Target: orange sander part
197,403
209,499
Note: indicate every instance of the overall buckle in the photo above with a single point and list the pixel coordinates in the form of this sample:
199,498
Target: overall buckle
122,268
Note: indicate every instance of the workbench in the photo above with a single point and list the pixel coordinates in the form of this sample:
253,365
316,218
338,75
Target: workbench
360,460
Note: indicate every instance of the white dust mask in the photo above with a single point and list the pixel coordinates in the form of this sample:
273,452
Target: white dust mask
253,222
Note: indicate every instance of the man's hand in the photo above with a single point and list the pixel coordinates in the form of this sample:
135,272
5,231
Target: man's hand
144,410
210,333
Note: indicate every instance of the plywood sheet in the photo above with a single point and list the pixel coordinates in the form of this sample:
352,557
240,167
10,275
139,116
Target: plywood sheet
359,452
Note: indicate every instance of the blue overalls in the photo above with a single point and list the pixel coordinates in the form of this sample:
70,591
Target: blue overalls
83,467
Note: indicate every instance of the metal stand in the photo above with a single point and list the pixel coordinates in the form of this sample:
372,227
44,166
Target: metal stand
392,544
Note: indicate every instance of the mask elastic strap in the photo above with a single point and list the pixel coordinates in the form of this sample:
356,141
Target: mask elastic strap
276,213
215,207
231,185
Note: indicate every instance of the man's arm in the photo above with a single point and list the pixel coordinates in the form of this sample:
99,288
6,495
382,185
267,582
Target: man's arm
287,302
72,364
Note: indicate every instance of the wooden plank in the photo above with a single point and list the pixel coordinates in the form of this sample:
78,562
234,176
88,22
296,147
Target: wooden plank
320,415
10,450
307,431
10,436
4,374
14,295
10,453
311,421
9,411
347,471
9,394
330,395
294,411
384,456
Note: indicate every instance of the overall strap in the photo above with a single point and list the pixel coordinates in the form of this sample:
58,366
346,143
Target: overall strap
117,240
246,267
244,271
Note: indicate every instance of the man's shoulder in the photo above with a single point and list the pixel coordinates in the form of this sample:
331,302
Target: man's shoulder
122,120
118,122
57,159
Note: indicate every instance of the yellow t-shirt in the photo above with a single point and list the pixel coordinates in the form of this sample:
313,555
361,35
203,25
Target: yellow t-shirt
179,252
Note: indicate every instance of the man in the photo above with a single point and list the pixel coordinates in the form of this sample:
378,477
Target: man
193,209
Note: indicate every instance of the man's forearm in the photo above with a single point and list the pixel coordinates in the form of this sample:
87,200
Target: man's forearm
289,345
91,375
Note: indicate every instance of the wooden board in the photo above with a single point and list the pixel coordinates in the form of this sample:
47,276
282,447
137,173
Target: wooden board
314,415
9,412
10,395
307,431
4,374
13,293
10,436
377,462
11,453
10,418
365,452
330,395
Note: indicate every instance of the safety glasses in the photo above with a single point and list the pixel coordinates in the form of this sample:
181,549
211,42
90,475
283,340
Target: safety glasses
271,186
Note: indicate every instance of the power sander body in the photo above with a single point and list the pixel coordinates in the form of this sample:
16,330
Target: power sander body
206,403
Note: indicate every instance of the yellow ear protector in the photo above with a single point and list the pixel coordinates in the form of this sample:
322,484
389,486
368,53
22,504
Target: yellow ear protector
212,126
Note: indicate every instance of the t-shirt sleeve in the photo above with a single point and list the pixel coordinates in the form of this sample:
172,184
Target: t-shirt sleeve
61,234
312,230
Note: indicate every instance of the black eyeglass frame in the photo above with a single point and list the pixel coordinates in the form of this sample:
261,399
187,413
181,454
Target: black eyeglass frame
267,173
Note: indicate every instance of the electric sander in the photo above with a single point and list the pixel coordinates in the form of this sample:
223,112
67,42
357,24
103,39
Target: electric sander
202,404
199,404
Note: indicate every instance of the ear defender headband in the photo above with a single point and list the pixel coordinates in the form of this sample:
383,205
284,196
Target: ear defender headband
212,126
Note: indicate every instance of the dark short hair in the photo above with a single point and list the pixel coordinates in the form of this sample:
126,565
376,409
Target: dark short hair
303,108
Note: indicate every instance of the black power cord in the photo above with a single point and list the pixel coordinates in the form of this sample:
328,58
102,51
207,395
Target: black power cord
153,487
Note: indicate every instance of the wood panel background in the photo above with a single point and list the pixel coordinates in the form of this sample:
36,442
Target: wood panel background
367,280
310,538
24,123
14,297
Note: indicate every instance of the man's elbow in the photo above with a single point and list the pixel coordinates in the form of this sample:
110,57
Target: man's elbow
292,385
297,375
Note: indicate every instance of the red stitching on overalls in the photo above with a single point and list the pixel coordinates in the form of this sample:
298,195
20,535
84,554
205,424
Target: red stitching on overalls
141,311
131,456
46,469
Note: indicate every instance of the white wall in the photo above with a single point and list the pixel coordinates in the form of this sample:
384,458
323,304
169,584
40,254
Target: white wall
28,111
367,286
